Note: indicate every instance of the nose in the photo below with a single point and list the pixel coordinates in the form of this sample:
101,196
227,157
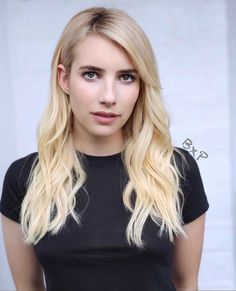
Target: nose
108,96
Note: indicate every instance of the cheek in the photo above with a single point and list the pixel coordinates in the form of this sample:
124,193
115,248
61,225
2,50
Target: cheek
131,97
82,94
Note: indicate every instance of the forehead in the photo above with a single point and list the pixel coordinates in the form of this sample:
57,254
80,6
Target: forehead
100,51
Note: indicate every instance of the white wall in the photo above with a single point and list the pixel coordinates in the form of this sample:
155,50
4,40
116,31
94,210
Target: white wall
8,149
190,39
231,12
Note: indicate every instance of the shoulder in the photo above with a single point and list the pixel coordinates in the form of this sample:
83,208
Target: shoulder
187,167
181,153
24,161
195,199
184,161
23,164
15,186
19,170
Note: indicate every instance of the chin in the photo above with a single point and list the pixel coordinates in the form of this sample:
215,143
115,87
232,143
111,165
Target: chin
104,133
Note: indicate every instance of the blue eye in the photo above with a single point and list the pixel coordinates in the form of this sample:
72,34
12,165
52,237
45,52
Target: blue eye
92,75
89,75
128,78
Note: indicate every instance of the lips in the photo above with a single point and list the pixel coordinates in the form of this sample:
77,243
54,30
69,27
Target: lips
105,114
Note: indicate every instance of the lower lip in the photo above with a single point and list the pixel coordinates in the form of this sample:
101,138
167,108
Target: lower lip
104,120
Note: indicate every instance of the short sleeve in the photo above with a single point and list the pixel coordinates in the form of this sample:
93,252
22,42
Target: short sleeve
195,199
14,187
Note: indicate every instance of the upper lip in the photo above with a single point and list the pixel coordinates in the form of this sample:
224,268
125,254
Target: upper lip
105,113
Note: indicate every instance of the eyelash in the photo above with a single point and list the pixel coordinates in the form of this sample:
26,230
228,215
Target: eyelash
133,78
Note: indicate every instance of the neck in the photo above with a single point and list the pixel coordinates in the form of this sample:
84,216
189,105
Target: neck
99,146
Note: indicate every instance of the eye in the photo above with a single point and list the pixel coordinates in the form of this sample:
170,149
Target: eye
127,78
90,75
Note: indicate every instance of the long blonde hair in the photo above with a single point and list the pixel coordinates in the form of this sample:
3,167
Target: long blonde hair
58,173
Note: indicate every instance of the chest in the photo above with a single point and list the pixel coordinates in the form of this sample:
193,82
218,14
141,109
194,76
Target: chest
101,236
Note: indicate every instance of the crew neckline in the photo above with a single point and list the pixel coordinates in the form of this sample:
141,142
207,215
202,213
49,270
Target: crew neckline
112,160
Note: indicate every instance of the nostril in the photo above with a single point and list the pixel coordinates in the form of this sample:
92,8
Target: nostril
108,102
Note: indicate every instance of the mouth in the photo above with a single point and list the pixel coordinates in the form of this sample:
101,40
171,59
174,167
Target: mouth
105,118
105,114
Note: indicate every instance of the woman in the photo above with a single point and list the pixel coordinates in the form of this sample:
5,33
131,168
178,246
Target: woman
107,202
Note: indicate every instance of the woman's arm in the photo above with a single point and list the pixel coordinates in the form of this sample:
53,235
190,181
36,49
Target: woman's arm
25,268
187,256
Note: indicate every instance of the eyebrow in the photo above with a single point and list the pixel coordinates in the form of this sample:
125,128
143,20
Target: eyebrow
102,70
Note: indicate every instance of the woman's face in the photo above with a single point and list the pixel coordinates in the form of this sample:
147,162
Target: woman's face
103,87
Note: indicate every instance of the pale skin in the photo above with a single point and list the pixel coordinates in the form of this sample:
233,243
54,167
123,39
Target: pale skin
101,79
114,87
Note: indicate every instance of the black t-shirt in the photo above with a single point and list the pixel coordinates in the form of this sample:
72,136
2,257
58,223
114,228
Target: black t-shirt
95,256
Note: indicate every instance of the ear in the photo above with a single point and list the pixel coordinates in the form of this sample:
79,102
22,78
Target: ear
63,78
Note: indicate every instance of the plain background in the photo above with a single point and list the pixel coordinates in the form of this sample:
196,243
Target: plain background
194,42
